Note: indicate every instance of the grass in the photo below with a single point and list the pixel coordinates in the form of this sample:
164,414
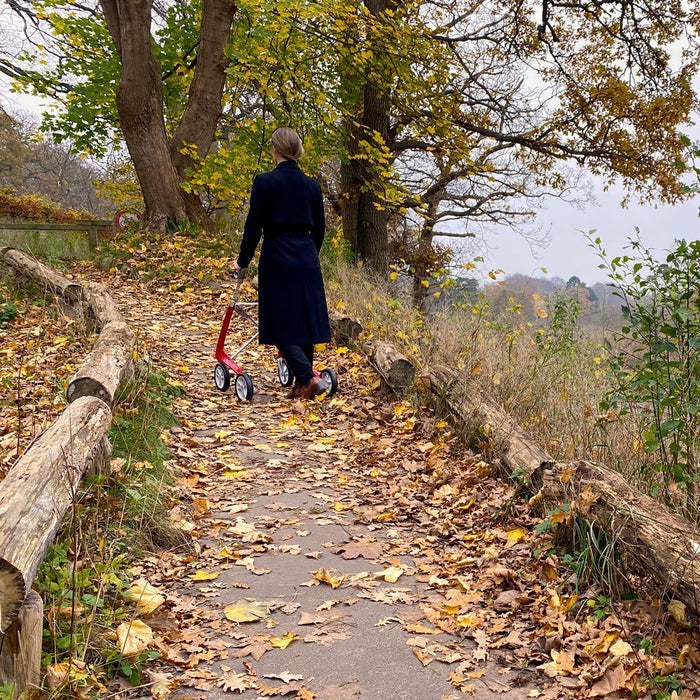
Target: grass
116,519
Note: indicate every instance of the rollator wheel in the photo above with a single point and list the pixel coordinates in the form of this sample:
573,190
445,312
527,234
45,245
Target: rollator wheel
222,377
283,374
244,387
331,379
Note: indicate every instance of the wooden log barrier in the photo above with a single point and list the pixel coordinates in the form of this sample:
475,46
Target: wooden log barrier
396,369
42,275
345,328
663,544
38,491
20,646
109,363
101,306
499,434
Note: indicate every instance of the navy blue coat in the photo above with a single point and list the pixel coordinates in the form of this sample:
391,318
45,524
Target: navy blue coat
286,209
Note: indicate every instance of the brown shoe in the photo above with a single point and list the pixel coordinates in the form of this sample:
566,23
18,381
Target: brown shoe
314,387
295,391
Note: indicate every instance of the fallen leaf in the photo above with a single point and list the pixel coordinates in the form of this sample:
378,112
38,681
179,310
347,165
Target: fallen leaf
285,677
134,637
204,576
284,641
392,574
325,576
611,682
146,596
246,611
233,682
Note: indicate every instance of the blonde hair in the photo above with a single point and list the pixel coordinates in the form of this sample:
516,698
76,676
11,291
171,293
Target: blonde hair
287,143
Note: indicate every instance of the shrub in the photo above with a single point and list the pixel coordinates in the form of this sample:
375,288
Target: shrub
655,365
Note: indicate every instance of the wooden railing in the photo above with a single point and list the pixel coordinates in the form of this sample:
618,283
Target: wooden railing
42,485
91,226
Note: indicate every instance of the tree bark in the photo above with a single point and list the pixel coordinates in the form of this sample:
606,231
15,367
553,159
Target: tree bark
40,274
109,364
662,544
372,211
101,307
365,215
38,491
20,647
489,427
198,124
160,167
350,184
396,369
425,246
345,328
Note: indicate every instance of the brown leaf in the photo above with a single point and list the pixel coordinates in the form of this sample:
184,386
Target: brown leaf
611,681
362,548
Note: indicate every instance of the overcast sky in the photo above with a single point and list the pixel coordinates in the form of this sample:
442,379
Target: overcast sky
567,252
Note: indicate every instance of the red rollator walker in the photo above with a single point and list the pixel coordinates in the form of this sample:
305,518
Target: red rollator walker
226,365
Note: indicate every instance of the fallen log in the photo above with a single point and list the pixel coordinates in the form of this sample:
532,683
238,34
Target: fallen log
109,364
345,328
663,544
396,369
490,427
101,306
20,647
42,275
38,491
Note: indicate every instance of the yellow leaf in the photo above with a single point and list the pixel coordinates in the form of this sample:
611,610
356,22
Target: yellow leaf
620,648
516,535
325,576
393,275
146,596
284,642
221,434
245,611
134,637
392,574
676,610
541,313
342,350
204,576
235,474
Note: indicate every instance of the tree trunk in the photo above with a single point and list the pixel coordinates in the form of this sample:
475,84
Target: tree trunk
664,545
345,328
420,263
20,647
490,429
394,368
372,212
109,364
198,124
38,491
159,167
101,307
350,184
40,274
365,216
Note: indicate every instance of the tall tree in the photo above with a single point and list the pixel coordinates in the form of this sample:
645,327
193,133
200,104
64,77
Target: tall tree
161,162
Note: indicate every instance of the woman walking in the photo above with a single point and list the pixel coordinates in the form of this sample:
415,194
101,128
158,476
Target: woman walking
286,209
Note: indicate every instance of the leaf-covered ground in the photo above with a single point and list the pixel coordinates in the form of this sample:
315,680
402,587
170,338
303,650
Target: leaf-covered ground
352,547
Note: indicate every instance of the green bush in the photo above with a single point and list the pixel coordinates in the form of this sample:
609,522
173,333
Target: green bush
655,364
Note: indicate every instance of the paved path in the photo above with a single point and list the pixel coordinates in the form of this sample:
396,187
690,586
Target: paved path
355,527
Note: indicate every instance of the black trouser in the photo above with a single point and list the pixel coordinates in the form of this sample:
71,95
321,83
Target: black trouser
300,360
